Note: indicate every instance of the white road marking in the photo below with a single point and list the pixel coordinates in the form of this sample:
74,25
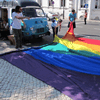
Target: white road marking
97,28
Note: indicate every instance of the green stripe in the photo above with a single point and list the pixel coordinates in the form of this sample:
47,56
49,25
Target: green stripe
59,48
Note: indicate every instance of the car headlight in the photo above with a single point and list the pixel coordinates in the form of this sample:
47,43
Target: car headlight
34,31
31,28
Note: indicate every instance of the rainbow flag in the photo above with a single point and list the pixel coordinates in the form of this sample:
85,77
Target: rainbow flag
69,64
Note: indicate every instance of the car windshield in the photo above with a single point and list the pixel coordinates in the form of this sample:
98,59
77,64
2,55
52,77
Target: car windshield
33,12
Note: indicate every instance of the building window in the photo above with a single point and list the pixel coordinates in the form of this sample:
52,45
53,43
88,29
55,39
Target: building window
83,2
62,1
51,2
97,4
40,2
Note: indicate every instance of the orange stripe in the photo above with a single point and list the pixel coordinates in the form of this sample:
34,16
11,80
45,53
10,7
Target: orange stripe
76,41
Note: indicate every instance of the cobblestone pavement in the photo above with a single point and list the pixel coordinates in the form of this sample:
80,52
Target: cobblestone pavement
16,84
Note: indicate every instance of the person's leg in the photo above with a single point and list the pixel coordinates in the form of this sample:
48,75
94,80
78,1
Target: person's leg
56,30
53,32
85,21
13,39
74,25
9,37
16,35
20,37
68,24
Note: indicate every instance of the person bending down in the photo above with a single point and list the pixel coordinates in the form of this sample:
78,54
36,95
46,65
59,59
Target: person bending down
58,24
55,26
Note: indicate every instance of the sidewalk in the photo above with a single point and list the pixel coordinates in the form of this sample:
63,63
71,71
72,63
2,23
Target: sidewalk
16,84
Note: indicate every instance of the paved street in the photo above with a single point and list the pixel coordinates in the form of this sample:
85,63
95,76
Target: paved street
16,84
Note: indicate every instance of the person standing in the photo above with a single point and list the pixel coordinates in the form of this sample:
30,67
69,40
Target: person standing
85,17
72,18
17,18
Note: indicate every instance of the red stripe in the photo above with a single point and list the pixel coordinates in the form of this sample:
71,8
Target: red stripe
89,41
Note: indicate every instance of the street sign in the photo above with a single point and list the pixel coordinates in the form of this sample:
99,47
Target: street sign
86,5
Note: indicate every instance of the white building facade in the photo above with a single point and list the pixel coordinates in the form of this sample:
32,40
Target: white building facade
65,6
92,7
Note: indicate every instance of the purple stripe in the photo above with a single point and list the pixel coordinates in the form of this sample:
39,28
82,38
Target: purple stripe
76,85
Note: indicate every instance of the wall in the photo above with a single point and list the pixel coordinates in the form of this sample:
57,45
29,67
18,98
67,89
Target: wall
95,14
92,12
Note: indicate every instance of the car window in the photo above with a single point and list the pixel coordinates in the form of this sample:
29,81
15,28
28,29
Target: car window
32,12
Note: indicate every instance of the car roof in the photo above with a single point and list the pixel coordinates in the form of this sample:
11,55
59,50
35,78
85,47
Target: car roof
24,3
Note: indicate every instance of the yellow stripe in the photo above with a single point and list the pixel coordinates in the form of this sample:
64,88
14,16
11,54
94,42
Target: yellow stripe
74,46
70,33
91,46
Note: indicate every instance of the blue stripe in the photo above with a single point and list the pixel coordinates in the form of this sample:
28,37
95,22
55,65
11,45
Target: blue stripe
90,65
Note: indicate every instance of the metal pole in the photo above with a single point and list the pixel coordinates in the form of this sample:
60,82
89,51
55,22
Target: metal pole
63,9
